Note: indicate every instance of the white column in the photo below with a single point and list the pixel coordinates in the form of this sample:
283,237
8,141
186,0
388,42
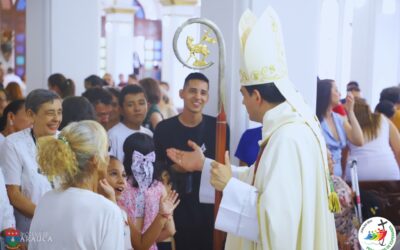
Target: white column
119,40
376,49
62,37
172,70
386,50
363,47
37,44
345,45
300,30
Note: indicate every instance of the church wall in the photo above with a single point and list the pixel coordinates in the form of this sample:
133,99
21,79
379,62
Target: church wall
63,36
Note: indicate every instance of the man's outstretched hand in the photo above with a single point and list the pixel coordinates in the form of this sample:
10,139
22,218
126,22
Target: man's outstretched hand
187,160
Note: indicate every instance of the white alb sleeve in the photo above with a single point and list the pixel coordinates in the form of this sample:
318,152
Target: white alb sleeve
237,213
207,192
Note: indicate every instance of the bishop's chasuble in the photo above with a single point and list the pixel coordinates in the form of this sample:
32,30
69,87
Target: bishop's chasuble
287,206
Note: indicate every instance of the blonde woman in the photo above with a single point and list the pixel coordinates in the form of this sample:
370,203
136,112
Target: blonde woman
379,157
75,216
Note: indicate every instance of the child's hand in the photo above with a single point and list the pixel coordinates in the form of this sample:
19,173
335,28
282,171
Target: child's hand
168,204
106,190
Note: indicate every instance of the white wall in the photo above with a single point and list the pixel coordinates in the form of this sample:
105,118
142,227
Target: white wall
300,27
37,44
376,45
75,32
386,51
362,47
172,70
63,37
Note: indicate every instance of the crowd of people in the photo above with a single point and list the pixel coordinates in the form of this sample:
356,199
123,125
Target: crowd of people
119,168
60,148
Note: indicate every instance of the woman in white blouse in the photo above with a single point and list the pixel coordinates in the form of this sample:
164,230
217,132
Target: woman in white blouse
24,182
74,216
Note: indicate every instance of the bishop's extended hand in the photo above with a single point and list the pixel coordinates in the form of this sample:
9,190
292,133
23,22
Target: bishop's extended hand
187,160
220,173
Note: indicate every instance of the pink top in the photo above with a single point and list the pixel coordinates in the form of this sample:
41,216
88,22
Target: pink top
152,200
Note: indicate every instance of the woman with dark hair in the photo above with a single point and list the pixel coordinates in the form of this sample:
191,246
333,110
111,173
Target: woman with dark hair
335,128
386,107
3,100
24,182
14,91
59,84
153,94
392,94
379,157
14,119
69,110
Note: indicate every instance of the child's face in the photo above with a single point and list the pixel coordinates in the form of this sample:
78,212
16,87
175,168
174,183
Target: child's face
116,177
134,108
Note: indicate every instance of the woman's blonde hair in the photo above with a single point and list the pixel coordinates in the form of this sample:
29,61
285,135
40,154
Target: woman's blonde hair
69,156
369,122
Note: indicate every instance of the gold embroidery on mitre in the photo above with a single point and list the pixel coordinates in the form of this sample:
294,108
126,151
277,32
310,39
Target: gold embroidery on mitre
265,74
244,37
277,70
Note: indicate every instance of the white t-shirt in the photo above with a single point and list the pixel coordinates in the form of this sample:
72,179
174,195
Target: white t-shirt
7,218
117,136
19,165
76,219
2,138
127,231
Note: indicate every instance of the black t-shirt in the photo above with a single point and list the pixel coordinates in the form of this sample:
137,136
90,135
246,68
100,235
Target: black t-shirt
172,133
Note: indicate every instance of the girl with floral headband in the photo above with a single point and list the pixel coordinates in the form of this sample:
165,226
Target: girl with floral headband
142,196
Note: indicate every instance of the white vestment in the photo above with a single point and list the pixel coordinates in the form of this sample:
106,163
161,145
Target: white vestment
287,207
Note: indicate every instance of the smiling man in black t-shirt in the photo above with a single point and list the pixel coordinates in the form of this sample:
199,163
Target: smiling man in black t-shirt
194,220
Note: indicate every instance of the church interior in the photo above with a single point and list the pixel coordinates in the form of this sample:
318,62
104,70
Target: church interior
351,45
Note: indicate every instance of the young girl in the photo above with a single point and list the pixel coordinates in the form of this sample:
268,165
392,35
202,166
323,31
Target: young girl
116,178
143,193
165,178
346,228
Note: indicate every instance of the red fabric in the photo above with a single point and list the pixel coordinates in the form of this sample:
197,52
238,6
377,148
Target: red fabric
340,110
